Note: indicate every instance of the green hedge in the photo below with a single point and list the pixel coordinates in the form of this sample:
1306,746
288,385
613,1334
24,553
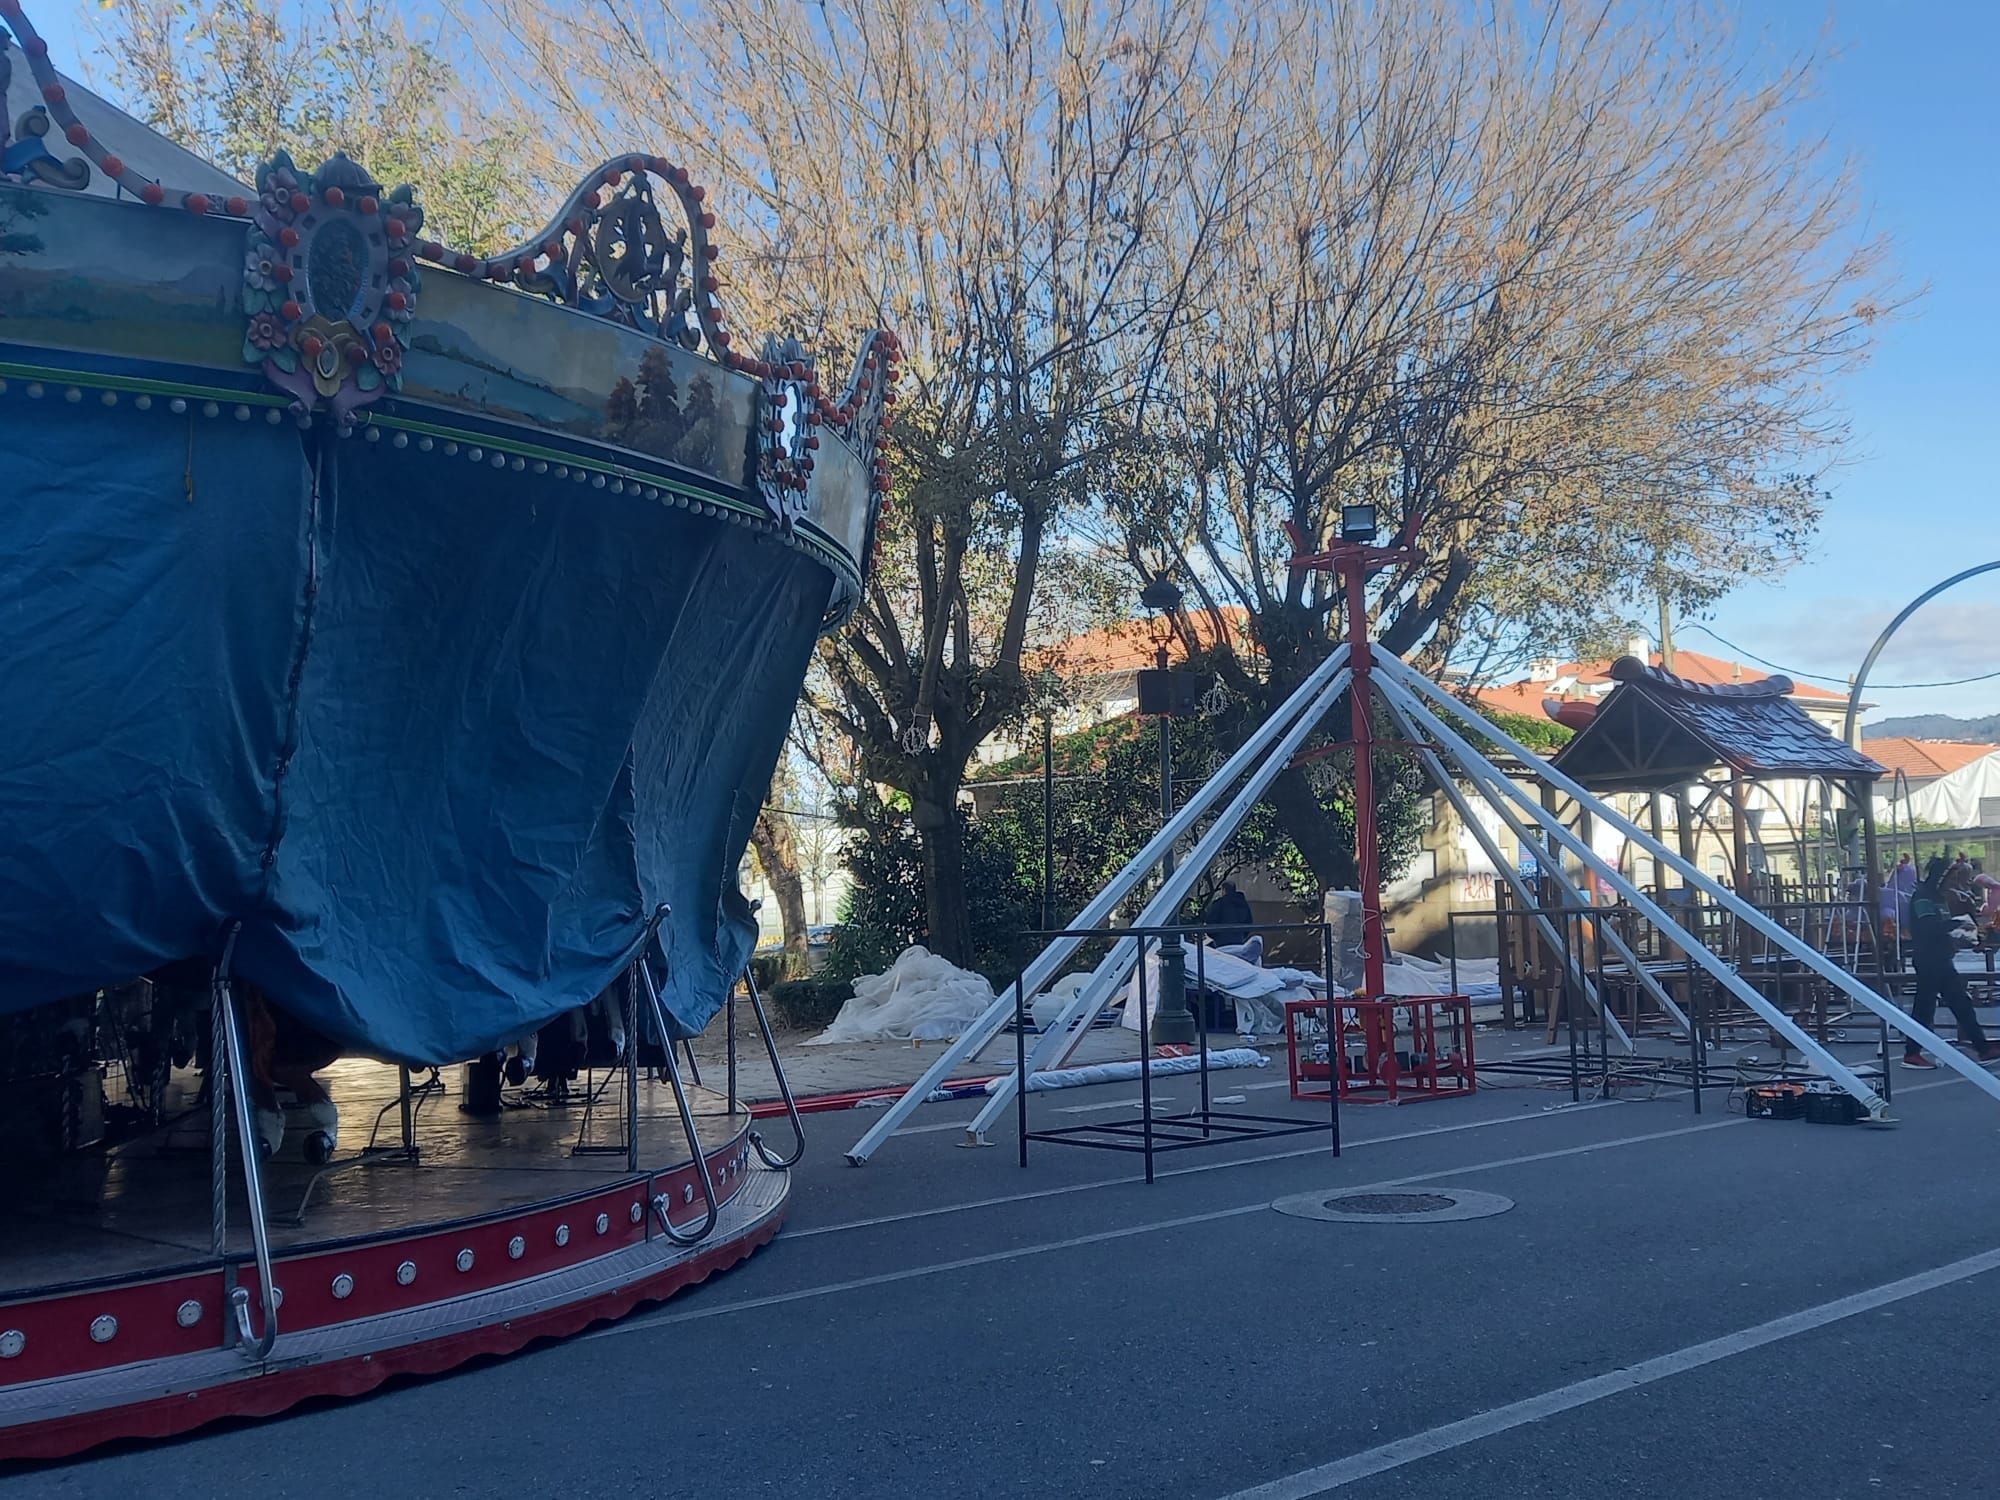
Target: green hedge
809,1004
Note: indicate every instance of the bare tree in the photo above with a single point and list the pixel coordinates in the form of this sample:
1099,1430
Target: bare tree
234,81
994,183
1556,288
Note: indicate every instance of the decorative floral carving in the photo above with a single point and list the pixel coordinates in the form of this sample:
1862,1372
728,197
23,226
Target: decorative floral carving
329,284
786,420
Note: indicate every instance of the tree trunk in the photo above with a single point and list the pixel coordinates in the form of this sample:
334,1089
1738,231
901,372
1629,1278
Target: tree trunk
1326,847
777,857
947,916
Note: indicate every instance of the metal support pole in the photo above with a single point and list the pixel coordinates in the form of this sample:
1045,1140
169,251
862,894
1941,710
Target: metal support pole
1048,823
713,1209
769,1157
255,1346
1021,1066
1332,1070
631,1009
1077,1015
1305,701
1407,684
1361,731
1145,1076
1172,1026
1441,778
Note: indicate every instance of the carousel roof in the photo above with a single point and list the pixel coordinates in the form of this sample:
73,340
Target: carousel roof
31,145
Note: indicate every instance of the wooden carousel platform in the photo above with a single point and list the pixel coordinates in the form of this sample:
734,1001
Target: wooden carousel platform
115,1316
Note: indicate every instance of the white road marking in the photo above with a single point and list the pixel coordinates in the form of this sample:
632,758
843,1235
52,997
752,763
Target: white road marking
1133,1103
1364,1465
1293,1154
933,1129
1129,1231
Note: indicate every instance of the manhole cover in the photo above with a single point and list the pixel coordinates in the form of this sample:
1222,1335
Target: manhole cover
1391,1203
1440,1207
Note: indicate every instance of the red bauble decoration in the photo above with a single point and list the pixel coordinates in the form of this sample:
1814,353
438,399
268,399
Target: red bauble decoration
300,203
153,193
76,135
291,312
281,273
114,167
397,301
708,221
368,205
709,284
288,237
196,203
711,251
466,263
595,200
574,226
237,207
398,267
697,193
55,93
722,338
812,442
334,197
356,355
396,229
313,346
612,179
431,250
383,333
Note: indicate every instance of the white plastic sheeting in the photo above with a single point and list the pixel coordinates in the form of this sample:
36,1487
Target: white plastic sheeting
918,998
1113,1072
1259,993
1967,798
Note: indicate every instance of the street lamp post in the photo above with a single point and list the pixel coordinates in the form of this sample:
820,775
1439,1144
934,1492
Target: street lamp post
1173,1022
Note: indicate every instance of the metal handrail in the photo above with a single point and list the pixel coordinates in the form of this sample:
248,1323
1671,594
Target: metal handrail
255,1346
764,1153
678,1236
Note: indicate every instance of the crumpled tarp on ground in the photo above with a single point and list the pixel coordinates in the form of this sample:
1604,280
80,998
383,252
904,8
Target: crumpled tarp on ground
918,998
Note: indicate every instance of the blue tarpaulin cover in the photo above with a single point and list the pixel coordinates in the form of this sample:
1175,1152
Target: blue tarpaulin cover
440,736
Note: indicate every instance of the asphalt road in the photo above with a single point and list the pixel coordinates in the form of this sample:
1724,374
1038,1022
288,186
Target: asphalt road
1675,1306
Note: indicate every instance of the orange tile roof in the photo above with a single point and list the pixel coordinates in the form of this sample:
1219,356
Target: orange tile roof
1129,645
1716,671
1924,759
1517,697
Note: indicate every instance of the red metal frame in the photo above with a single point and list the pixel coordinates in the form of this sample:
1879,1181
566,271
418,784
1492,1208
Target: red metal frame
1382,1077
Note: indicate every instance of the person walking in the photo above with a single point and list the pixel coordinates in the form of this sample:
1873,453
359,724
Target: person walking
1933,952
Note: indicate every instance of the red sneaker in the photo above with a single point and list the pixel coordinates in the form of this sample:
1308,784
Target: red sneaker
1917,1060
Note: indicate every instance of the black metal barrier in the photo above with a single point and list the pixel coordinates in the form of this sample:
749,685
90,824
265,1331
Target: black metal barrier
1150,1134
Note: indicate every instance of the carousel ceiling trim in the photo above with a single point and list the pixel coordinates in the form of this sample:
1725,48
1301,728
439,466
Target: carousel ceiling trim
58,383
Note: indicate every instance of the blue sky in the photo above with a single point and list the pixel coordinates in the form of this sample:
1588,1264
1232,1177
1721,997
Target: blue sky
1909,96
1906,93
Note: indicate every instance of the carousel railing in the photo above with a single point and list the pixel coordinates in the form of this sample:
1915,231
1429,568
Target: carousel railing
764,1153
712,1209
229,1092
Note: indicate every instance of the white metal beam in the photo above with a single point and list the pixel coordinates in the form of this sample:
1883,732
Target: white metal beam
1401,680
1049,962
1084,1007
1605,930
1442,777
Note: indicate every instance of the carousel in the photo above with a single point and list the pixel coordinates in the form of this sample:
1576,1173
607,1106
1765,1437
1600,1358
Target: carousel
396,644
